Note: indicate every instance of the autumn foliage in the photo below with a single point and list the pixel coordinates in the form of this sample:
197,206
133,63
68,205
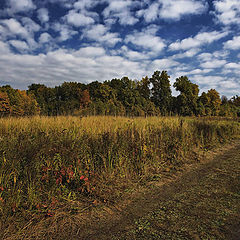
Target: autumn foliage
118,97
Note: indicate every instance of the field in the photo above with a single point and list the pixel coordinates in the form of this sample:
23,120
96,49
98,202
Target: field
54,169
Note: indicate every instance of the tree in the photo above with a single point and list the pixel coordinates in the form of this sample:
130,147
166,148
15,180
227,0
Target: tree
28,104
214,101
161,91
186,102
143,87
5,108
85,99
204,105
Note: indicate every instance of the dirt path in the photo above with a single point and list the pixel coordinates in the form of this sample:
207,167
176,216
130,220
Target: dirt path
201,203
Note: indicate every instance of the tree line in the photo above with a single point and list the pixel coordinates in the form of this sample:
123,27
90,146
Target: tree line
119,97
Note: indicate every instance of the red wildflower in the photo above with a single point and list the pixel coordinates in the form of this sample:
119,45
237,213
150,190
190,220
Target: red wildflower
1,188
63,172
49,214
85,179
38,206
59,180
82,177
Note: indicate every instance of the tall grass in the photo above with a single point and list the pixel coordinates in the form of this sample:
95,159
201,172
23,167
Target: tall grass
47,161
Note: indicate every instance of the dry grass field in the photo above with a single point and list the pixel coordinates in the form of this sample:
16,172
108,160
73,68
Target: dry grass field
54,169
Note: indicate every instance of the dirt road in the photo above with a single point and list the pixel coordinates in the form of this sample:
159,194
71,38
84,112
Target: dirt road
201,203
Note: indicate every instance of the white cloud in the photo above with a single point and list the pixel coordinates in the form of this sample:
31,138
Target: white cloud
45,38
147,40
132,55
78,19
199,71
205,56
227,11
233,44
171,9
85,4
90,52
64,31
211,81
229,84
187,54
214,63
120,10
19,45
30,25
213,60
4,48
116,7
100,33
55,67
25,31
21,5
164,63
197,41
233,65
150,14
174,10
43,15
15,27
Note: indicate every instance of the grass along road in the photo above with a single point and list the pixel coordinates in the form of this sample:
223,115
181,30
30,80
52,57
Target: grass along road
203,203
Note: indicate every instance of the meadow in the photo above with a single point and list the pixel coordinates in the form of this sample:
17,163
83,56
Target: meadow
52,163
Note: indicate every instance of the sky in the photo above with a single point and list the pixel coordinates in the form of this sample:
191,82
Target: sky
53,41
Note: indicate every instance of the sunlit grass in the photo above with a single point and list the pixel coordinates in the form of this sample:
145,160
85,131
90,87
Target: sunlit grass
46,161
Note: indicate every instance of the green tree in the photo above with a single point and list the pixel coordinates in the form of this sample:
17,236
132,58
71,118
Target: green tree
143,87
204,105
214,101
186,102
161,92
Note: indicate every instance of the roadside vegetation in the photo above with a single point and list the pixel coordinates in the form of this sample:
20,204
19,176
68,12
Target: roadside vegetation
55,165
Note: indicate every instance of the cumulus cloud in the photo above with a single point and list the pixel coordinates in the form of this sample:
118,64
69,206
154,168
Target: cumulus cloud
21,5
65,31
227,11
24,31
19,45
132,55
30,25
147,40
215,63
101,34
172,10
164,63
90,52
85,4
187,54
120,10
45,38
210,81
213,60
4,48
43,15
233,65
58,66
199,71
233,44
78,19
14,27
151,13
197,41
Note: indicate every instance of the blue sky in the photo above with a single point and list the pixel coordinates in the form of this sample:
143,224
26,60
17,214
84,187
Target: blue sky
52,41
